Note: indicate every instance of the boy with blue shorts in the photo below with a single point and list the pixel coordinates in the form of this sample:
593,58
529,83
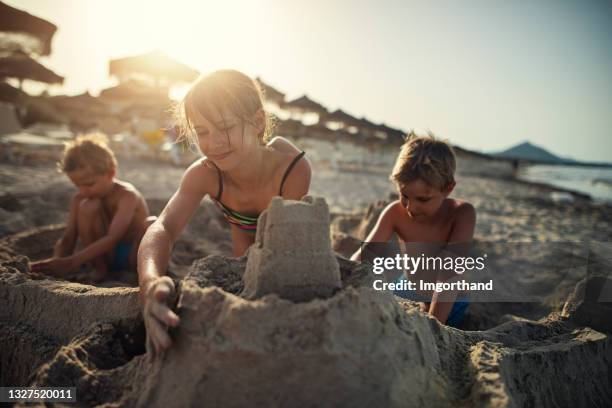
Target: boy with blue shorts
425,215
107,216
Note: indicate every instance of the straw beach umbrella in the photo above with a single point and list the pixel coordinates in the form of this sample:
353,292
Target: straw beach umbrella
132,89
395,136
23,67
304,104
364,123
342,117
155,65
13,20
271,94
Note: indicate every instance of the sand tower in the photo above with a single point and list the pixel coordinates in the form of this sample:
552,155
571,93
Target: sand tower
292,255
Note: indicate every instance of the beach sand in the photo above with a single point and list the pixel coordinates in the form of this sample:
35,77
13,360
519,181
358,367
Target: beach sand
358,347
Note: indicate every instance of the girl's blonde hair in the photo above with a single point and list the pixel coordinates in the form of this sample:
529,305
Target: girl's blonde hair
90,152
219,91
426,158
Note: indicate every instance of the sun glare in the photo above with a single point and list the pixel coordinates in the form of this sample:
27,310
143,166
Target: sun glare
205,35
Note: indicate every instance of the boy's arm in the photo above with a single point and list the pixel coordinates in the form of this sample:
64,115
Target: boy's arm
65,245
118,227
383,229
461,235
465,222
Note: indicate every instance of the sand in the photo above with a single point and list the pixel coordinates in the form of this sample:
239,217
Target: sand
355,347
292,255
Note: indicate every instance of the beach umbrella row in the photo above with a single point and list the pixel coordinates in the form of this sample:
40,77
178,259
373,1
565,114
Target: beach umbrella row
304,104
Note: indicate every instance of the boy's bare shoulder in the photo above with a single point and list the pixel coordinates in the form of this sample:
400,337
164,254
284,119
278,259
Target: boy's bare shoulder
127,191
462,209
395,206
393,211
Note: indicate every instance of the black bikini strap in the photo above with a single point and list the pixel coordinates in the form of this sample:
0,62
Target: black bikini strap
295,160
220,191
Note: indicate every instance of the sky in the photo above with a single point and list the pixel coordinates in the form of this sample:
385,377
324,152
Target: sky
485,75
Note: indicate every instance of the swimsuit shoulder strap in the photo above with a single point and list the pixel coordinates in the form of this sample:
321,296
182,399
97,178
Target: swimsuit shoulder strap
220,191
295,160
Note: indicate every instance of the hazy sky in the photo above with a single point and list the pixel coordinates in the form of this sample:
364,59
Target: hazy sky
483,74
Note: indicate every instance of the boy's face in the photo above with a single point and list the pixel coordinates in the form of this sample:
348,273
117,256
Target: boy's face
90,184
225,140
420,199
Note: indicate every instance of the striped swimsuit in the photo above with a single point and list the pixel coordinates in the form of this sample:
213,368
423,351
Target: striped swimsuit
247,222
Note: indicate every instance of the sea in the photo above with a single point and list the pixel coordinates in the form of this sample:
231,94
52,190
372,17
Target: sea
594,181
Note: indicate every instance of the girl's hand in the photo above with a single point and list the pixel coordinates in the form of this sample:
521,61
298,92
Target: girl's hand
158,316
54,266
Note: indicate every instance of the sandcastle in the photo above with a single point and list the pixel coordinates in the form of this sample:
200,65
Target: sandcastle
292,255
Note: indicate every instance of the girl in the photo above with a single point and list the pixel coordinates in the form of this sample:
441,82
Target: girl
241,170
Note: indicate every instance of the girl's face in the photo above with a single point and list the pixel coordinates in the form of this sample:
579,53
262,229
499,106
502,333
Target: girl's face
420,199
226,139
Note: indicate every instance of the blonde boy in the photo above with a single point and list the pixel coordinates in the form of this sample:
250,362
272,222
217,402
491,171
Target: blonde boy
107,216
424,178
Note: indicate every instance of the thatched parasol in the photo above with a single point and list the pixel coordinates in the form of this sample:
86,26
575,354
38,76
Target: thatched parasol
23,67
394,135
83,103
270,93
13,20
155,64
340,116
305,104
132,89
366,124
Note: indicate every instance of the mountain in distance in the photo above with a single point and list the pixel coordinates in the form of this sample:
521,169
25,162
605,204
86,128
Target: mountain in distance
535,154
528,151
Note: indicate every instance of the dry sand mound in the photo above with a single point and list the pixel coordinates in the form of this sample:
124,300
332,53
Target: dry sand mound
357,348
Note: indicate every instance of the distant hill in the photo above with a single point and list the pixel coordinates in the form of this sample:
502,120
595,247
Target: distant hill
528,151
532,153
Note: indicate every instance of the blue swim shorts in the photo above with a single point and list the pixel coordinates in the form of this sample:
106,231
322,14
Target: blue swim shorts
121,260
456,315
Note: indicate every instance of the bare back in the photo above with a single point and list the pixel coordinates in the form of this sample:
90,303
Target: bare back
110,204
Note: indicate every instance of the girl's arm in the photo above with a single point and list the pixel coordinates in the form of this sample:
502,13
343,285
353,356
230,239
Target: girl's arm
383,229
154,255
158,240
